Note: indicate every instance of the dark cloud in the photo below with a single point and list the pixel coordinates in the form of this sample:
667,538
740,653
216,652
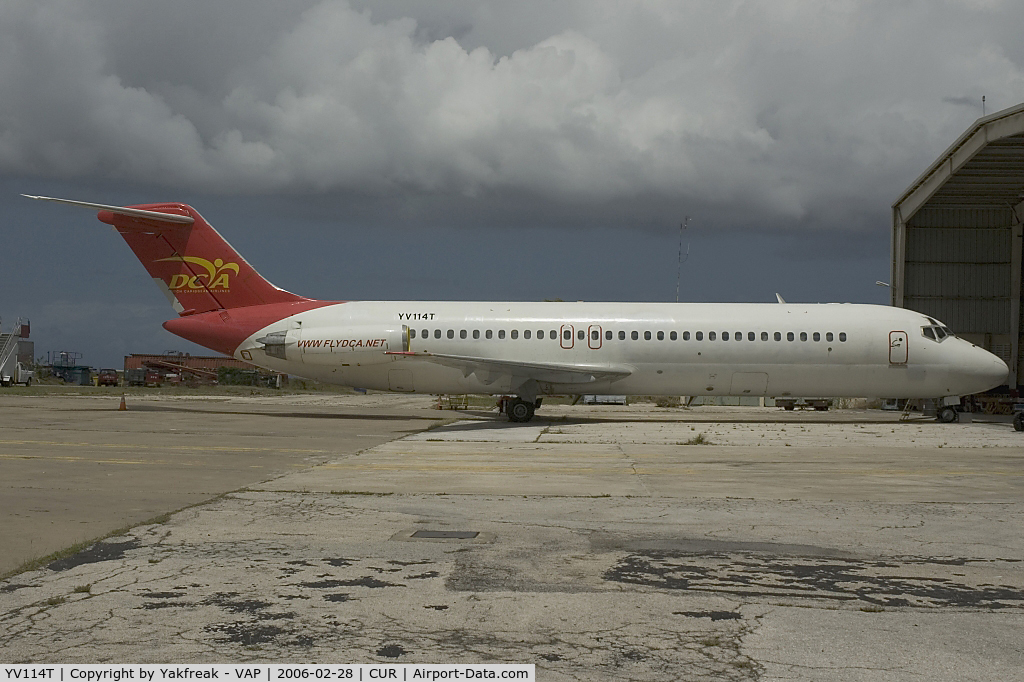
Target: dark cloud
789,110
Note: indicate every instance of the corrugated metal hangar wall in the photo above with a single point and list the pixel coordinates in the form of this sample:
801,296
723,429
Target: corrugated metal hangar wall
957,238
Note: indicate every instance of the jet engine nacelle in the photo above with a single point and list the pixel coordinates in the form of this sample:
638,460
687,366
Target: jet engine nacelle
356,345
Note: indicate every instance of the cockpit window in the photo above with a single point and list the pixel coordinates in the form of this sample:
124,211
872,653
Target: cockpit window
936,332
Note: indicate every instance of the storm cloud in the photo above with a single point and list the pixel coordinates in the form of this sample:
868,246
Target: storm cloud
800,113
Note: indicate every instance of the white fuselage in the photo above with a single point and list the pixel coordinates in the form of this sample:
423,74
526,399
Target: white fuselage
662,348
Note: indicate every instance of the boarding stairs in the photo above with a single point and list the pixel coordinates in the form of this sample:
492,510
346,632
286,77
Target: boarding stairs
11,343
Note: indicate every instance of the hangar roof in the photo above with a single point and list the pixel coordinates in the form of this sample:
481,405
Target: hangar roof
984,168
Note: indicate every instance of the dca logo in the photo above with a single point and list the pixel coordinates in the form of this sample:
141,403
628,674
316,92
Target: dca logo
215,277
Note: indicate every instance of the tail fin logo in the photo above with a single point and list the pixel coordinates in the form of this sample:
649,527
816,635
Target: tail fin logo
216,275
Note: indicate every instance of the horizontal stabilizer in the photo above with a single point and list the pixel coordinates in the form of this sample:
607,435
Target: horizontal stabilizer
121,210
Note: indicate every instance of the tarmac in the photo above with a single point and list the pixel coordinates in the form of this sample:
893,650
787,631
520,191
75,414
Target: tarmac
600,543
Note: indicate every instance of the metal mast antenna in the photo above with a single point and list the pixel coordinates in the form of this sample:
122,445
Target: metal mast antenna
681,260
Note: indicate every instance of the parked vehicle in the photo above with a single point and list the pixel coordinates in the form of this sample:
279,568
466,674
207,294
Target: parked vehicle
107,377
135,377
22,375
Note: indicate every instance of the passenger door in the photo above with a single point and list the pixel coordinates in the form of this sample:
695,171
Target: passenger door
898,352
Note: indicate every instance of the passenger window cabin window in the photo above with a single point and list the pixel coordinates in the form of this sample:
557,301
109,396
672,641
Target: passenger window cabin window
699,336
540,333
661,336
711,336
462,334
424,333
412,333
817,336
778,336
764,336
437,333
828,336
673,336
789,336
567,335
751,336
738,336
501,333
725,336
647,336
476,333
515,334
634,335
451,333
595,335
686,336
607,336
581,335
526,334
553,334
803,336
842,336
488,333
622,336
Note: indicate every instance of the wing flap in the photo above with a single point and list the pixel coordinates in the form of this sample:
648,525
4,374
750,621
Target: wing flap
489,370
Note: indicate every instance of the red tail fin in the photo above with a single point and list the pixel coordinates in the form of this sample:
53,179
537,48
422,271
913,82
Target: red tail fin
194,266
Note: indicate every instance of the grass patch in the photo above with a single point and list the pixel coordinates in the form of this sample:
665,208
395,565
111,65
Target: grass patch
54,601
84,589
872,609
699,439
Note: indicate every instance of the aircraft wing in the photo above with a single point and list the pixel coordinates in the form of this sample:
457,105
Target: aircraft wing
490,370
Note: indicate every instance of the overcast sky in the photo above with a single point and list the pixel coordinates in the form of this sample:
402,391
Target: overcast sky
491,150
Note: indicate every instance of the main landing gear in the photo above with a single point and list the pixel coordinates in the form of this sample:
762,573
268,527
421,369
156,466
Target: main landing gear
948,415
519,410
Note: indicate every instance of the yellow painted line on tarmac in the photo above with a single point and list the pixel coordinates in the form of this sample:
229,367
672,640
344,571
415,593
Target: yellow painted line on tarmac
69,458
91,460
122,446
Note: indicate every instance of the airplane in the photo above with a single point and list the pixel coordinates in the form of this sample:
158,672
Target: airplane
528,350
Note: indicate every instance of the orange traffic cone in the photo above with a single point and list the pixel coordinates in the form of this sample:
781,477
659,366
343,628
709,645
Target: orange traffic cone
123,405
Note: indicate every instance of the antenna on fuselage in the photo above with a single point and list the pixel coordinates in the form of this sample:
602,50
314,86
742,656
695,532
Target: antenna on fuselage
681,260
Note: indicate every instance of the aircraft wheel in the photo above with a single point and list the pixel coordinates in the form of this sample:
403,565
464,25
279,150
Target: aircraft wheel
1018,422
948,415
519,410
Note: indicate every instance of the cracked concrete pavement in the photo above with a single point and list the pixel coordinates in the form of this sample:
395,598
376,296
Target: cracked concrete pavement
847,547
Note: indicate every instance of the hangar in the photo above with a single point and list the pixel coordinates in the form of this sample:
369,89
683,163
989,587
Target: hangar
956,238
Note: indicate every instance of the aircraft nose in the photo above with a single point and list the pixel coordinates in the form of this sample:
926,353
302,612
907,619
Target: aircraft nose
998,371
988,369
